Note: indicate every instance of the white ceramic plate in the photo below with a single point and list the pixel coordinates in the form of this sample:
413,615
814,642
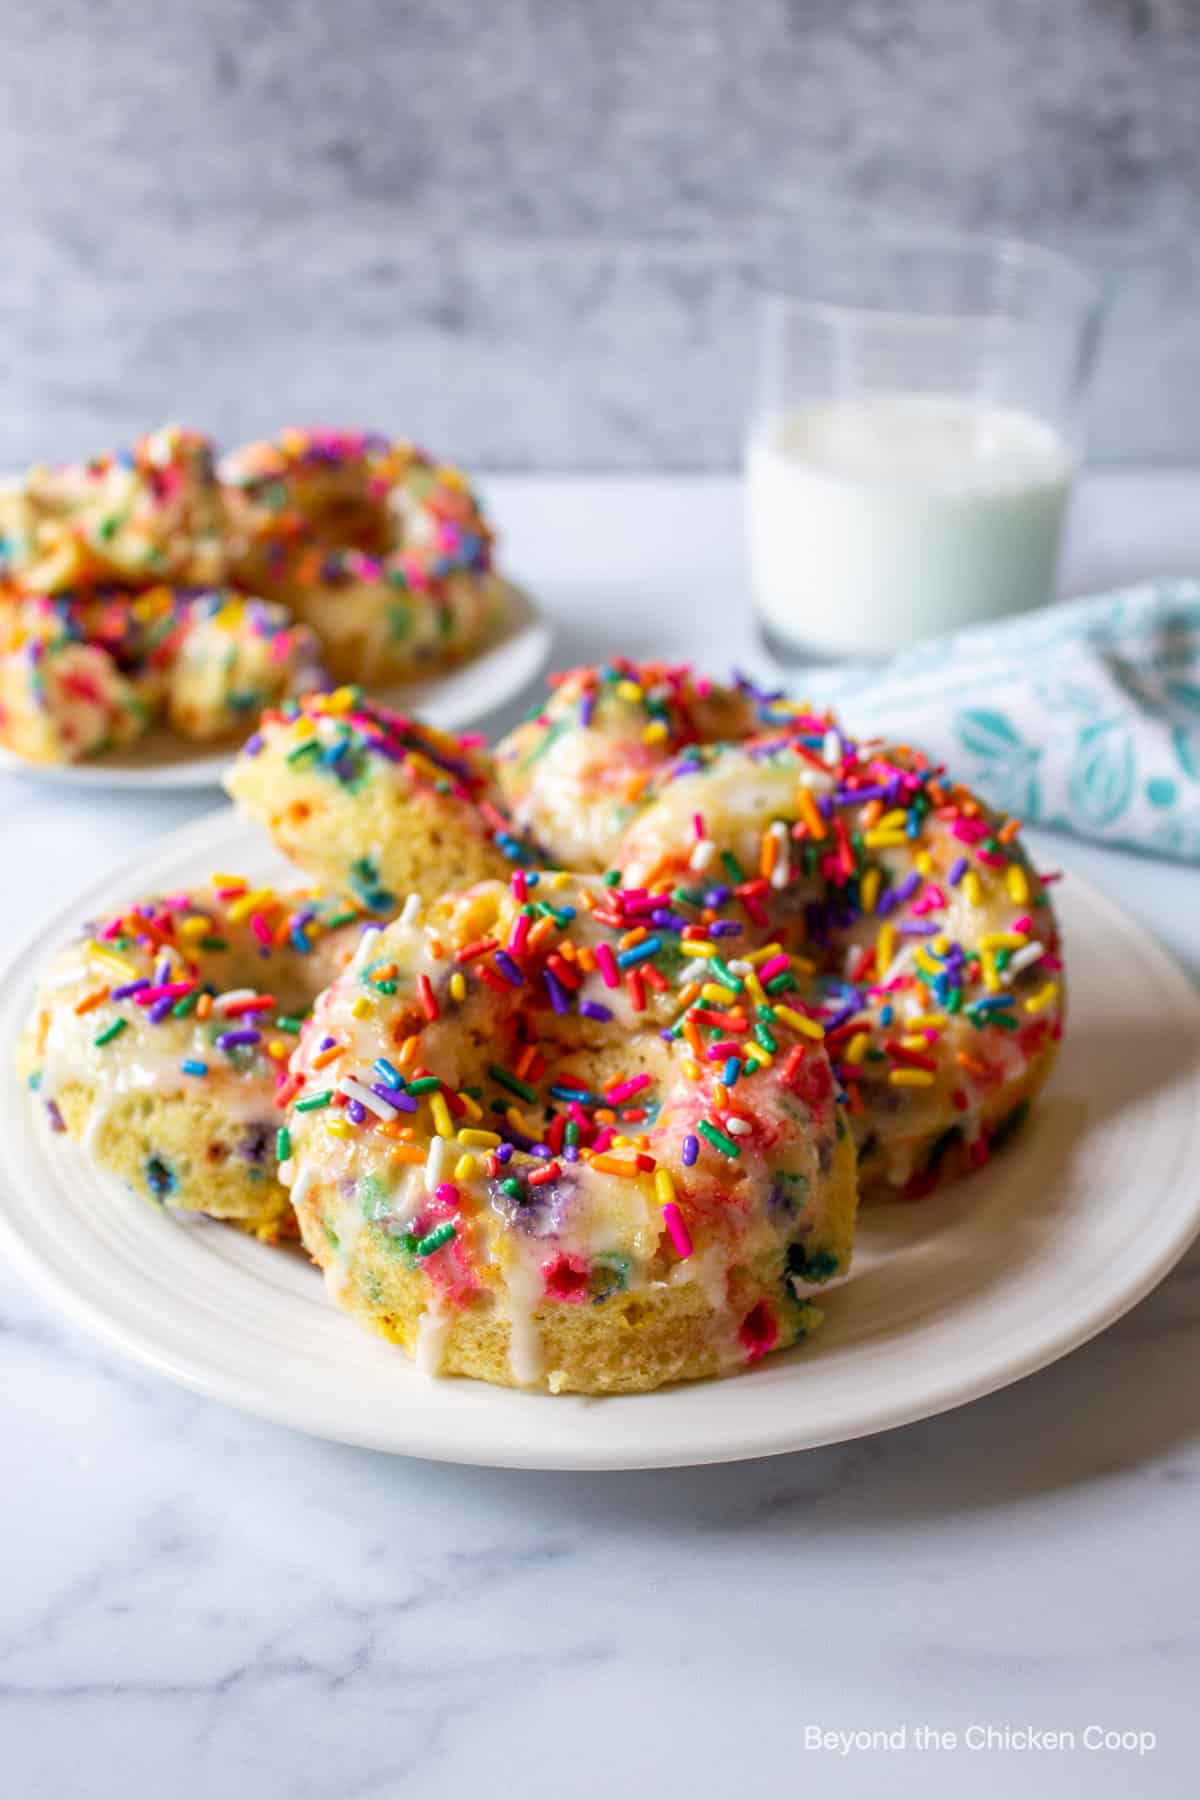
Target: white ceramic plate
948,1299
513,656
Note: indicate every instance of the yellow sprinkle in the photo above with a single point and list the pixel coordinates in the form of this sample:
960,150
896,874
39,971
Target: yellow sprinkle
443,1124
712,990
1002,940
910,1078
245,904
885,949
108,959
928,1021
337,1128
759,956
894,820
465,1167
559,879
757,1054
1017,883
940,944
878,839
691,1069
913,1040
869,890
341,699
755,988
664,1187
629,690
972,888
279,1050
991,979
458,985
228,881
195,926
1037,1003
856,1049
925,962
799,1022
923,863
655,732
362,1007
471,1107
481,1140
699,948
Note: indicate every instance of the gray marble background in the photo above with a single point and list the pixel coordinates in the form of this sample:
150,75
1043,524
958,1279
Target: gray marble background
526,231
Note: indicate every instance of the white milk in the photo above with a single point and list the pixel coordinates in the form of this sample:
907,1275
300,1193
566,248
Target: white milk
884,518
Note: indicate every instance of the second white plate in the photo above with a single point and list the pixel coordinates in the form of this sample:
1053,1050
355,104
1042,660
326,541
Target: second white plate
517,652
948,1299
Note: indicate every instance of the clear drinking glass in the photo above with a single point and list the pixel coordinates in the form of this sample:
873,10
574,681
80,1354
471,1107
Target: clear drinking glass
916,434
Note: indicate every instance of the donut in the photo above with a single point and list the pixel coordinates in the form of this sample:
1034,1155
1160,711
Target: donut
929,944
575,774
372,804
511,1155
383,551
61,700
135,518
159,1039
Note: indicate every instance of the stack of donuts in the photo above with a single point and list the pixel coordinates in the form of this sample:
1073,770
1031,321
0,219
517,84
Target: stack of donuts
569,1063
157,584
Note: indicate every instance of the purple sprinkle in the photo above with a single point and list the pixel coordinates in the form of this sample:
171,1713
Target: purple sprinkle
717,896
917,928
592,1009
906,888
327,1043
254,744
356,1110
587,707
825,806
958,869
691,1150
508,969
57,1122
724,928
229,1040
394,1097
163,973
159,1011
667,920
129,987
840,1016
541,1150
503,1153
570,1153
556,991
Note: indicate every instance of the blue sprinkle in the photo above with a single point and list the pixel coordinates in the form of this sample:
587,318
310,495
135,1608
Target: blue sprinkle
191,1067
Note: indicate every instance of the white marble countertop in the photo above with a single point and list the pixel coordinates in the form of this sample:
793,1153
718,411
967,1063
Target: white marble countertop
199,1604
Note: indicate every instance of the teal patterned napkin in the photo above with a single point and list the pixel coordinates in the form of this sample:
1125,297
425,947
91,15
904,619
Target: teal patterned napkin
1082,717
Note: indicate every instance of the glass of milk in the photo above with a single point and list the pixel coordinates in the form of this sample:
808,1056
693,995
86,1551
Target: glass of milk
915,438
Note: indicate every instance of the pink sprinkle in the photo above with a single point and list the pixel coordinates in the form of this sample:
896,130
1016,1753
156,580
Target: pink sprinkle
673,1220
519,932
723,1051
778,965
472,740
698,824
969,831
992,858
1050,961
446,1192
606,962
603,1140
625,1090
167,990
260,928
111,931
520,887
1024,923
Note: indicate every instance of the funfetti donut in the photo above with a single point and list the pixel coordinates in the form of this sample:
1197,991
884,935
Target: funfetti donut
382,550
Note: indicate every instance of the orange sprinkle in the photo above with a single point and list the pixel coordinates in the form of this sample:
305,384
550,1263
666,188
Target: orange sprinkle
407,1153
90,1000
971,1063
871,811
720,1095
325,1057
768,855
633,937
809,813
541,931
1008,831
585,956
407,1051
204,1006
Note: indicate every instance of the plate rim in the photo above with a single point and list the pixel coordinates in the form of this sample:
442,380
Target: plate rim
205,768
936,1395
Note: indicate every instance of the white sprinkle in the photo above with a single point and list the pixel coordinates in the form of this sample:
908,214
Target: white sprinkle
831,749
702,855
781,873
366,945
304,1180
410,912
741,966
435,1163
1022,959
354,1090
738,1127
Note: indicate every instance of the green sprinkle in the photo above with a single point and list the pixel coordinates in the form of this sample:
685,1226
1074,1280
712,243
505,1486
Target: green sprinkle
385,987
310,747
512,1187
733,867
182,1007
763,1036
343,918
286,1022
425,1084
433,1240
612,878
315,1101
725,974
718,1139
283,1144
512,1082
109,1033
214,943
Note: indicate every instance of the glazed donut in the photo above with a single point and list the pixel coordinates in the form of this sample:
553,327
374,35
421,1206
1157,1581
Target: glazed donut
131,517
575,774
384,552
61,699
928,946
159,1039
229,657
371,803
511,1157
